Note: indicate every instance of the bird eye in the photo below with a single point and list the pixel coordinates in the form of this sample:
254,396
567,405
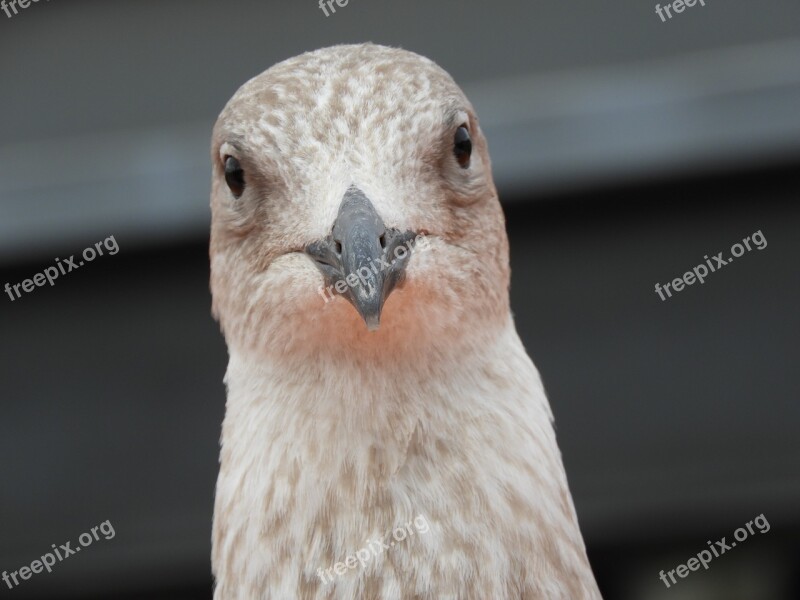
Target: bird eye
234,176
462,146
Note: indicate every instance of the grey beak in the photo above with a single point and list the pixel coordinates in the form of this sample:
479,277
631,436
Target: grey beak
362,254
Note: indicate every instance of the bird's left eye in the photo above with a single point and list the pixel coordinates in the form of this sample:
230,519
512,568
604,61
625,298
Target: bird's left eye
462,146
234,176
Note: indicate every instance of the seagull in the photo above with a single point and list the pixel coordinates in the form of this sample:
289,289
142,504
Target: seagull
376,381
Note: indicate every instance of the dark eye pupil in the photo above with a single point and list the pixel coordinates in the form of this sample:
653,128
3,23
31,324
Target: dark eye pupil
234,176
462,146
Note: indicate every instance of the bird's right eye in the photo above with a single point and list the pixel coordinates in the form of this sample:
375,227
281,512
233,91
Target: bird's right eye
234,176
462,146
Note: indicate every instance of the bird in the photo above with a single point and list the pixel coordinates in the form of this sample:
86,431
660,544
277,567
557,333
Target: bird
386,435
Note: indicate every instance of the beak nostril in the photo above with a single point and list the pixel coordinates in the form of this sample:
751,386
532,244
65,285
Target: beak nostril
383,241
338,247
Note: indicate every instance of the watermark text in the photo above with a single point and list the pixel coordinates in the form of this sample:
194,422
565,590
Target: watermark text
48,560
701,271
50,274
718,548
374,548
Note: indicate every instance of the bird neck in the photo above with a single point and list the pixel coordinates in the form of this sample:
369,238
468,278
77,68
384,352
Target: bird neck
313,453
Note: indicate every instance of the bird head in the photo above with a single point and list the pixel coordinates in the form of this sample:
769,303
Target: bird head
353,208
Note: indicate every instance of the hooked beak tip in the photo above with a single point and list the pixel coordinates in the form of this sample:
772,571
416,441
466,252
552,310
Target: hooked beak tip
373,322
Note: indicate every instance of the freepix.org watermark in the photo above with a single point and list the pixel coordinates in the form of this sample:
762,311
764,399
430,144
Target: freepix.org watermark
678,6
419,244
331,7
718,548
9,5
701,271
48,561
374,548
50,274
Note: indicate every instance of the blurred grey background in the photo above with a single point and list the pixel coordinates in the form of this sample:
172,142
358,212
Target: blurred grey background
625,149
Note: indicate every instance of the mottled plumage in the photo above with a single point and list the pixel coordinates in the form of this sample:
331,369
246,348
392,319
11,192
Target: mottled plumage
335,434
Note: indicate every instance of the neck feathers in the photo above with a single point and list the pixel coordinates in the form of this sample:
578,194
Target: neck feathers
318,459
